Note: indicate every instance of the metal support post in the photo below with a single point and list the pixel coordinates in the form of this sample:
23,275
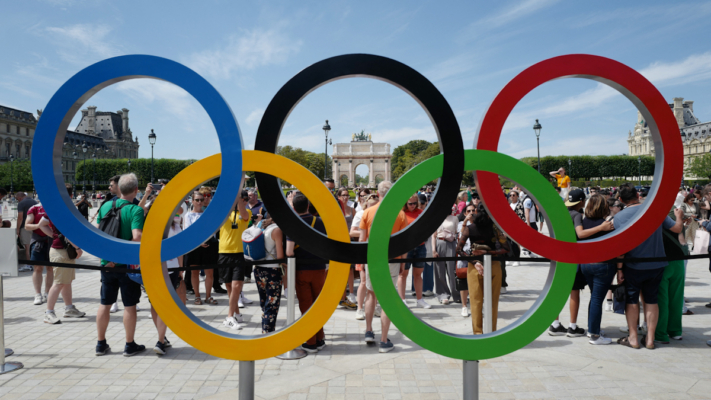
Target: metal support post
488,306
5,367
291,308
246,380
470,372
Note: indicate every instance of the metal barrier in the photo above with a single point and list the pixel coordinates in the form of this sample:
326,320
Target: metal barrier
470,369
5,367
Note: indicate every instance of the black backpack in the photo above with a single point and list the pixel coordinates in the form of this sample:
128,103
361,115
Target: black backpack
111,222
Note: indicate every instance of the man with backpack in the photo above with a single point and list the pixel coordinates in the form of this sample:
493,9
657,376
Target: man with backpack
122,219
231,254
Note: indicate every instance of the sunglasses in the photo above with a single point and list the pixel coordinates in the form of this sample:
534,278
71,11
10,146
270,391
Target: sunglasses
469,211
617,205
199,200
411,204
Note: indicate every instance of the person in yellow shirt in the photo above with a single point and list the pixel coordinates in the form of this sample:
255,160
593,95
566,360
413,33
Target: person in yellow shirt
563,182
232,253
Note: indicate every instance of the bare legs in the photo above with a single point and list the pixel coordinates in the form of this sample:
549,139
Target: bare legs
37,278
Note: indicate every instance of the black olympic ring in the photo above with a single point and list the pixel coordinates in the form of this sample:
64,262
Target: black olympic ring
395,73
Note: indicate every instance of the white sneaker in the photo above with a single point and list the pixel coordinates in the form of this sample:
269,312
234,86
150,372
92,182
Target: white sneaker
405,302
231,323
114,308
443,299
352,298
599,339
515,264
73,313
244,299
423,304
377,310
138,308
285,295
360,315
202,278
240,319
24,268
51,318
240,304
44,298
602,333
608,305
465,312
38,299
427,293
503,290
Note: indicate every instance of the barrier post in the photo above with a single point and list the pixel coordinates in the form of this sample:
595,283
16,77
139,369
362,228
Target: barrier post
471,380
5,367
488,306
246,380
291,308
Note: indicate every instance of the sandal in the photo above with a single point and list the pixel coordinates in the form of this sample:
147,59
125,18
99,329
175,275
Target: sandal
211,301
644,340
198,301
625,341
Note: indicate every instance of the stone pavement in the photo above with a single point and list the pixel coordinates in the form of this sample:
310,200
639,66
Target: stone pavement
60,362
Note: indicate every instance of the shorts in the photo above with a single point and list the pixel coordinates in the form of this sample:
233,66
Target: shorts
418,252
203,255
394,273
112,282
645,281
62,276
39,252
25,237
175,279
232,273
580,281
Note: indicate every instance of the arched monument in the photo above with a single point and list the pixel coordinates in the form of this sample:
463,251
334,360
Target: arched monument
361,150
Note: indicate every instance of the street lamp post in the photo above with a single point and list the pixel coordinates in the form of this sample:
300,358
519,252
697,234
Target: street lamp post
74,173
12,172
83,169
570,169
152,141
129,165
93,186
326,129
639,161
537,129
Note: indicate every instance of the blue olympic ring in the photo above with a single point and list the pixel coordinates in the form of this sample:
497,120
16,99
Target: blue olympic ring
49,137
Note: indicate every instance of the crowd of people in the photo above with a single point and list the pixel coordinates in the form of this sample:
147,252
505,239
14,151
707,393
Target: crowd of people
469,231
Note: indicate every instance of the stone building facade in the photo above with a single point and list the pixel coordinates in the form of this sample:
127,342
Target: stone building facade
695,135
348,156
112,128
17,131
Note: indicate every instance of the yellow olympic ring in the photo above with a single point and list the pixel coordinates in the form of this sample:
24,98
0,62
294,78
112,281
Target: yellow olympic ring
188,327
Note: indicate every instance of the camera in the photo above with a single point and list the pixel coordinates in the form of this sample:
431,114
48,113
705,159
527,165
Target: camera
156,187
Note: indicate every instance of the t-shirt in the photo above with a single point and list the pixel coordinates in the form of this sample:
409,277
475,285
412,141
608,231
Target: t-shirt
174,230
131,218
412,216
589,223
83,209
257,208
231,239
56,242
653,246
366,220
37,211
577,218
563,182
302,254
24,206
532,212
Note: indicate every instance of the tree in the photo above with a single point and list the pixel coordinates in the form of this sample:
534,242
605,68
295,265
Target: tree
21,172
401,160
700,167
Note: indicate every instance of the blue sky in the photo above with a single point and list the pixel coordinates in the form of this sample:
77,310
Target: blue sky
469,50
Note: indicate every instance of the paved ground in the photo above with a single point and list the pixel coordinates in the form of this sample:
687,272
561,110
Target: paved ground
60,362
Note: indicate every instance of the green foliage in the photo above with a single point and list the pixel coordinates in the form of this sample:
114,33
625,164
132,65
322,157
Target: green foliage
595,167
700,166
361,180
21,174
314,162
410,154
164,168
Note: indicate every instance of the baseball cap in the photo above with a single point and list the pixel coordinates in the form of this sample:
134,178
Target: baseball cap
422,198
575,197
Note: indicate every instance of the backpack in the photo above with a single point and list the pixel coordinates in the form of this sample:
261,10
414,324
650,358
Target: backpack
253,243
111,222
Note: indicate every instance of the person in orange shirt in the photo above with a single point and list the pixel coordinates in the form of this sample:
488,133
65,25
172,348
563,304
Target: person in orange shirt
563,182
412,211
365,223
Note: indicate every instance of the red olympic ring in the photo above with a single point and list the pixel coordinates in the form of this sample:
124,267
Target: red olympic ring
664,130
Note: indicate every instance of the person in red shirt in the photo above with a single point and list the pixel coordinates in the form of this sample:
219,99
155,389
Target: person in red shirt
39,251
412,211
365,223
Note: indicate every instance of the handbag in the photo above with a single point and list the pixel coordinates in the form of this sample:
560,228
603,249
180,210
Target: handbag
701,242
138,278
71,250
461,272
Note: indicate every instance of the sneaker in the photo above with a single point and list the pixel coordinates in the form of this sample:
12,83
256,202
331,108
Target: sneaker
676,337
443,299
219,290
44,298
352,298
377,311
360,315
284,293
602,333
504,290
240,319
608,305
190,291
167,342
515,264
138,308
38,299
427,293
348,304
102,348
423,304
465,312
73,313
577,332
244,299
24,268
231,323
310,348
320,344
131,349
405,303
114,308
51,318
160,348
599,339
386,347
559,331
626,329
369,337
202,278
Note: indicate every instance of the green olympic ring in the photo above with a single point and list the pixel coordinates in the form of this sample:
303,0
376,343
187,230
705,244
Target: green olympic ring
472,347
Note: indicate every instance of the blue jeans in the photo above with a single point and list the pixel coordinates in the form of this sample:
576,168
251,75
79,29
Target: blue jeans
427,279
599,277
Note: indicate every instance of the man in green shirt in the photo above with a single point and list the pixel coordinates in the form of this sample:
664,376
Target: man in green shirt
131,228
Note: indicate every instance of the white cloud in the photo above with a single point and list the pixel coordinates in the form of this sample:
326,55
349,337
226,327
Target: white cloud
172,98
694,68
507,15
254,116
248,51
78,42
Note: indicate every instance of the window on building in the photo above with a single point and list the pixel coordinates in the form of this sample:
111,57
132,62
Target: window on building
27,151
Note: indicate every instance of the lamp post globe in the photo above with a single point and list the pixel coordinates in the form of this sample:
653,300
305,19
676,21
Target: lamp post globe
152,141
537,130
326,130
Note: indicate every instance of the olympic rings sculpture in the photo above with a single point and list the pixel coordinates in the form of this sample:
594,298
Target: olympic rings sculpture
485,161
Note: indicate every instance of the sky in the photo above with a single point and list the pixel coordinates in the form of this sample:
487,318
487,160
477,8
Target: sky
468,50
